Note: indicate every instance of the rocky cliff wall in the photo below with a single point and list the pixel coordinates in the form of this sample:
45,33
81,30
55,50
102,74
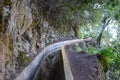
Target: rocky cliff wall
23,33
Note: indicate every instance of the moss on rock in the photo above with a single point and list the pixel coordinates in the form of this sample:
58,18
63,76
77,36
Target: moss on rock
23,59
11,48
7,2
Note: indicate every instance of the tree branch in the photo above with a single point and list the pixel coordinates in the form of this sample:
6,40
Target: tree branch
105,21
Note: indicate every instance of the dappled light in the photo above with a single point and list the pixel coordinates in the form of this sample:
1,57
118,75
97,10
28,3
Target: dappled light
34,34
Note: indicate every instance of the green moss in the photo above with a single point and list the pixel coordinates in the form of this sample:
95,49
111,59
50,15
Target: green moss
35,24
63,29
7,2
78,49
22,59
103,62
36,18
10,42
1,22
11,48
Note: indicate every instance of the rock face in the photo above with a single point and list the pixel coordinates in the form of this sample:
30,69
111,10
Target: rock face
23,33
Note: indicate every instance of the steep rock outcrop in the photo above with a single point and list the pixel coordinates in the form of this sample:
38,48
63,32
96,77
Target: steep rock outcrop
23,33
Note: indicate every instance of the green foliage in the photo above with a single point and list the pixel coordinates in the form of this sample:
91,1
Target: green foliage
88,31
97,17
69,13
108,54
115,66
22,59
113,8
109,58
80,35
117,17
7,2
78,49
92,50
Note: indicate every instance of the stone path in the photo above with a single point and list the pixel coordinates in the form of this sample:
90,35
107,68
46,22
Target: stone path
78,65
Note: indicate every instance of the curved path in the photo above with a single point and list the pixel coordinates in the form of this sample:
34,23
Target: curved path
30,70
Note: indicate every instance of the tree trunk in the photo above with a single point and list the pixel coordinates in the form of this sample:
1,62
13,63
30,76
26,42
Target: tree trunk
105,21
